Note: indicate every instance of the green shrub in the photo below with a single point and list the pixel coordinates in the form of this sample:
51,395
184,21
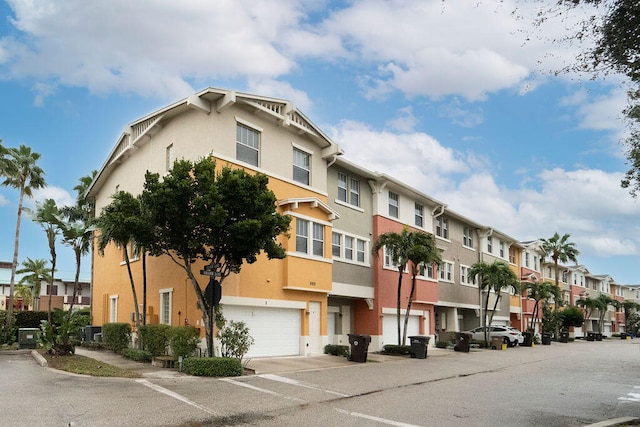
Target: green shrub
184,341
155,338
212,366
337,350
116,336
92,345
442,344
396,350
137,354
235,340
8,335
30,319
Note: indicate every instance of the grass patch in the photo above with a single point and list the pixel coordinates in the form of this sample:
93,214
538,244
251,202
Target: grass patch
87,366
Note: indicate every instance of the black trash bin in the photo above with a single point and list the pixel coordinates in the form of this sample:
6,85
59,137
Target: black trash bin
546,339
528,339
419,345
462,342
591,336
623,336
564,337
598,336
359,347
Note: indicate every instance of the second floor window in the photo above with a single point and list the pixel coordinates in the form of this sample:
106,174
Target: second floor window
419,220
348,189
446,271
501,249
489,245
313,246
442,227
467,237
247,144
393,204
301,166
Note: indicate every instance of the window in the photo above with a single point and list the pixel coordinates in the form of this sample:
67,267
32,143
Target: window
489,245
302,235
548,271
165,306
535,263
247,144
501,249
526,259
564,277
393,204
336,248
467,237
348,247
348,189
442,227
465,277
419,215
313,246
318,239
113,308
301,165
360,250
170,158
427,271
446,272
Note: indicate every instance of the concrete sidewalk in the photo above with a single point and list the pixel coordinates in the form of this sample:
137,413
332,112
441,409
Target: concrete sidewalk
147,370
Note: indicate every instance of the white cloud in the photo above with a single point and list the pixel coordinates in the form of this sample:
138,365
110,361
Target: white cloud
59,195
3,201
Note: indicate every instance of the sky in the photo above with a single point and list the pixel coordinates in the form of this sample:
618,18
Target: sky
459,99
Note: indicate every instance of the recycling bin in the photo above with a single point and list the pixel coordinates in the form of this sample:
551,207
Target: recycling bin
546,339
462,342
419,345
28,337
498,343
359,346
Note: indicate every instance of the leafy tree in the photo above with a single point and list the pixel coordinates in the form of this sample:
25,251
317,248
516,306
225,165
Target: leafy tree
633,323
599,304
35,271
571,316
629,307
235,340
120,222
20,169
26,293
227,218
496,278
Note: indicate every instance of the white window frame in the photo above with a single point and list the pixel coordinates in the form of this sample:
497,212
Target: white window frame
445,272
465,278
394,205
246,144
113,308
467,238
489,245
442,227
419,215
317,239
307,232
303,169
166,295
348,247
170,158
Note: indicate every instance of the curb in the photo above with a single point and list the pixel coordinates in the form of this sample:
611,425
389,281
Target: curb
613,422
38,357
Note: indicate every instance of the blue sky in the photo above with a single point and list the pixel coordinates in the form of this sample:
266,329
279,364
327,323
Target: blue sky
453,97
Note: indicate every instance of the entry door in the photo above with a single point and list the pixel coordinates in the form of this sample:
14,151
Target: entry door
315,343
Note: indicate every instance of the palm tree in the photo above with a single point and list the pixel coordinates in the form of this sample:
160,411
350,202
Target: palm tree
396,247
423,251
26,293
540,292
495,277
46,214
21,171
603,303
121,222
629,307
559,249
35,272
588,304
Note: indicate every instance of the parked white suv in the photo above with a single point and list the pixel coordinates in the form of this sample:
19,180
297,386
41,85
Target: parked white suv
513,335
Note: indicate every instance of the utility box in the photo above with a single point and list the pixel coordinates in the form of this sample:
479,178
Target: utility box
28,337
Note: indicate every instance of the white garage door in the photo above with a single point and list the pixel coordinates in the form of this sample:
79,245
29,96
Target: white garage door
390,328
276,331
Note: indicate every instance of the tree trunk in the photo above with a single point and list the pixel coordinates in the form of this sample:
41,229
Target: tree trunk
14,265
406,315
144,287
135,295
400,271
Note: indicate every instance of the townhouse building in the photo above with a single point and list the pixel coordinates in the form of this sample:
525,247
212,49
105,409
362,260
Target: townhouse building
530,256
283,302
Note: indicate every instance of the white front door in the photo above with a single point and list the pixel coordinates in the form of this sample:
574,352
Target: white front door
315,342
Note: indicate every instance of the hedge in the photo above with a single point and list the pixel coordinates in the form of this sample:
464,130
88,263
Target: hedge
30,319
155,338
396,350
212,366
116,336
337,350
137,355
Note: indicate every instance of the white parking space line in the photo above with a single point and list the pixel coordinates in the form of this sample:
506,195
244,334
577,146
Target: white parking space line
177,396
285,380
631,397
262,390
376,419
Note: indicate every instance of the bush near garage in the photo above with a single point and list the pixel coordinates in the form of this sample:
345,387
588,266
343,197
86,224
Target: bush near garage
116,336
396,350
212,366
337,350
184,341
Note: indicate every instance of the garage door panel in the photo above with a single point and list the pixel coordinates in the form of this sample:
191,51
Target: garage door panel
276,331
390,327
